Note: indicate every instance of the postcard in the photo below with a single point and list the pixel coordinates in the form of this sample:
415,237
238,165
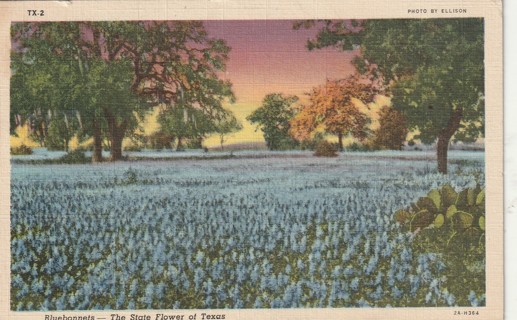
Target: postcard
251,160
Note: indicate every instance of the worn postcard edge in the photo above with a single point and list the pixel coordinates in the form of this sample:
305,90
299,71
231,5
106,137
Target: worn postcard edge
490,10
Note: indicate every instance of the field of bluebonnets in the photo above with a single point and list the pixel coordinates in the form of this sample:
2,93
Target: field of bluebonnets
283,231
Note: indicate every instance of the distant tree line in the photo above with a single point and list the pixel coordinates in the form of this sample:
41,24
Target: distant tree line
333,109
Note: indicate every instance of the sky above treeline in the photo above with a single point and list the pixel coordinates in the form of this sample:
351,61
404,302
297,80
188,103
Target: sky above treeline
270,56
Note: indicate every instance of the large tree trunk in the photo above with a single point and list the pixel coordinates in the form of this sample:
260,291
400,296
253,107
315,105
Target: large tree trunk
41,135
116,146
116,135
442,146
340,141
441,153
97,142
179,146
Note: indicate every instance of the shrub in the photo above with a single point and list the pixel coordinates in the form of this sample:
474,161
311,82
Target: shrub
325,149
76,156
130,177
286,143
59,134
358,147
194,143
452,225
160,140
21,150
311,144
133,147
53,143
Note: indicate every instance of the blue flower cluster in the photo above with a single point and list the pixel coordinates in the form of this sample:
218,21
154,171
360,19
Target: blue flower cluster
221,234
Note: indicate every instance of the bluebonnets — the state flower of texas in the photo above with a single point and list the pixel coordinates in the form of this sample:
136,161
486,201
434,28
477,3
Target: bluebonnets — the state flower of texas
366,189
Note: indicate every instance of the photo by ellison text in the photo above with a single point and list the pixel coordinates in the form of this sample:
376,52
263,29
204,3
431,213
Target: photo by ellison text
434,11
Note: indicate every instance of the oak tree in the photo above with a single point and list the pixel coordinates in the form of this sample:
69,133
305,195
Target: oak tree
44,97
434,68
167,58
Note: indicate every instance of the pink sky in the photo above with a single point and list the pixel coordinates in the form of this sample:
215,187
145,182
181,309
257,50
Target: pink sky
269,56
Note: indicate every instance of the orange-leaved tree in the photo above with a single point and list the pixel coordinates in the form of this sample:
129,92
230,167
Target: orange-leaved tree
333,109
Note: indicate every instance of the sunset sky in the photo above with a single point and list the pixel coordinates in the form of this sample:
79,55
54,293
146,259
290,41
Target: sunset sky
269,56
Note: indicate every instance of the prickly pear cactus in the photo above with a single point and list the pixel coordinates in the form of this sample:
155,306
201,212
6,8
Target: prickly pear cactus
451,224
463,211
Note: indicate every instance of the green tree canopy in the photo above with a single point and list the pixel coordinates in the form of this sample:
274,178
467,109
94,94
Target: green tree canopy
110,89
273,118
392,130
185,122
170,61
432,68
44,96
